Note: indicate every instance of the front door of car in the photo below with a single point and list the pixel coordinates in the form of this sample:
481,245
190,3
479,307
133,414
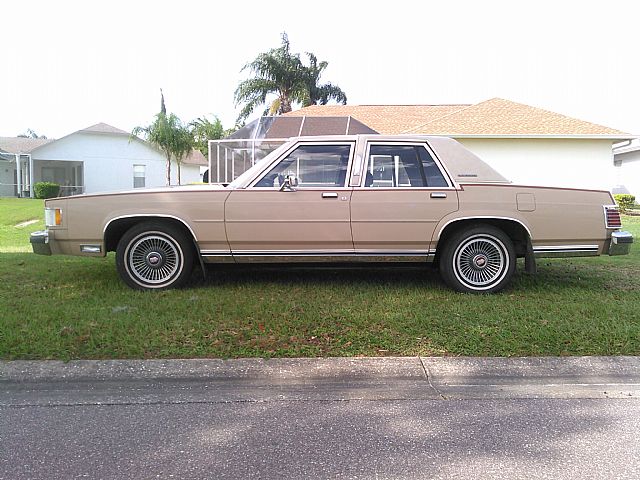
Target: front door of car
403,195
272,221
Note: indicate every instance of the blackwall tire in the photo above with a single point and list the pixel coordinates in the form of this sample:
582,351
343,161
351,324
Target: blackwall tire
479,259
155,256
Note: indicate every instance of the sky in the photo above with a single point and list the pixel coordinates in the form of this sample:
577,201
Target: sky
67,64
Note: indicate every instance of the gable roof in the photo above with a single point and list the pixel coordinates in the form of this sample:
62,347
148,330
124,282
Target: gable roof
17,145
501,117
492,118
195,157
385,119
103,128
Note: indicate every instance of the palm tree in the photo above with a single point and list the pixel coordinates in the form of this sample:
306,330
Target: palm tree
203,130
320,94
31,134
169,135
277,71
182,145
282,73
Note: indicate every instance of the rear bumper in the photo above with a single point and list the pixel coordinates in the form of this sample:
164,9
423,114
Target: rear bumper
620,243
40,242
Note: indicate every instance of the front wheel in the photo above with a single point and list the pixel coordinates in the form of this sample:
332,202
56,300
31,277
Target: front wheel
480,259
154,256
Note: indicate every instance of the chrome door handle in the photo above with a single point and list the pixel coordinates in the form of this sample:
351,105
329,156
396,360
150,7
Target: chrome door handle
438,195
329,195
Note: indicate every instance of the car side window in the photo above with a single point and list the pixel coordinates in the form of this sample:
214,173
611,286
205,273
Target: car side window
313,165
402,166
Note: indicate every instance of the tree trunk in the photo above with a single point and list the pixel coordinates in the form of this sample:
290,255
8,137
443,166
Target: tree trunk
179,165
285,104
168,170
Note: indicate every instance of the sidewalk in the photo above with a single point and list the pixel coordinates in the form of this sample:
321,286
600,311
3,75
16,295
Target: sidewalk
397,378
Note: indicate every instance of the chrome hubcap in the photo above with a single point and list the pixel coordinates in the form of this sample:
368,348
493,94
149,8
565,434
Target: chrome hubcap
481,262
154,259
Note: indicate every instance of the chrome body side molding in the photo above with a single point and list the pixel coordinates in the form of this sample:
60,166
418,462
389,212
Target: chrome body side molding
316,256
558,251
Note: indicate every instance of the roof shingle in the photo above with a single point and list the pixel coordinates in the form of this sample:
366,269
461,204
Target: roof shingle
21,144
503,117
494,117
103,128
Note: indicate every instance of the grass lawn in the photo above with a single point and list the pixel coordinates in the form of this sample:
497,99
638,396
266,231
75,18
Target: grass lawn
14,211
68,308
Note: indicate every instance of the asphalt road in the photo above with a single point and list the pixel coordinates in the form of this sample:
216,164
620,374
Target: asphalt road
345,418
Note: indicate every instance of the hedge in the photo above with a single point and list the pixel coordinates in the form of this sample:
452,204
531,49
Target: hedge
625,201
46,189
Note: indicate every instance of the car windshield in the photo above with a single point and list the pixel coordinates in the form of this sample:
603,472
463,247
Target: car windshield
260,165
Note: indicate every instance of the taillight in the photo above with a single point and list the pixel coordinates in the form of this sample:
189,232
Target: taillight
612,216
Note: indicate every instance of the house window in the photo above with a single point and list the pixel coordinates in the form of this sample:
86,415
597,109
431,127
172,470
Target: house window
138,176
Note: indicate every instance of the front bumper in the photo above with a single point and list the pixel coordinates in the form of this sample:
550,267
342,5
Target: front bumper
620,243
40,242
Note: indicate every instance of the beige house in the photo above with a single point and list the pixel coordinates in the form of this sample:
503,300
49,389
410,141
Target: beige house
526,144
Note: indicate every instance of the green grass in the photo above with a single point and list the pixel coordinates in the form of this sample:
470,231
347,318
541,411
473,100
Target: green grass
69,307
14,211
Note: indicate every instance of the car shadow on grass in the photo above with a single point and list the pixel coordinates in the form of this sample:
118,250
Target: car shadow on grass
553,276
309,274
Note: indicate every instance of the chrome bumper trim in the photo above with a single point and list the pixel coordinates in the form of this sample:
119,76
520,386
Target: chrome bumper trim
40,242
620,243
91,248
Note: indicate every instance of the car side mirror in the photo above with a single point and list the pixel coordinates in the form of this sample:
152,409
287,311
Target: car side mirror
290,183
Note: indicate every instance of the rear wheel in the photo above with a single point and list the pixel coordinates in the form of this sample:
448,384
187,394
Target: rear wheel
480,259
154,256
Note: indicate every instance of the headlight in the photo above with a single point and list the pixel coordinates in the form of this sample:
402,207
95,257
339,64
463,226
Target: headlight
53,217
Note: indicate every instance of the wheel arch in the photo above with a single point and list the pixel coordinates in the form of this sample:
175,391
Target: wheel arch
515,229
116,227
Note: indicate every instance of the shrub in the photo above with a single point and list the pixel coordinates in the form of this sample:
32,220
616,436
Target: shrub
625,201
46,189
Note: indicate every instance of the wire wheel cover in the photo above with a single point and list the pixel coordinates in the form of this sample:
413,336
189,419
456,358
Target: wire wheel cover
154,259
480,262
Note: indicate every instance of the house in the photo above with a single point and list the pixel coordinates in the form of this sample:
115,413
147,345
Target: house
99,158
626,158
526,144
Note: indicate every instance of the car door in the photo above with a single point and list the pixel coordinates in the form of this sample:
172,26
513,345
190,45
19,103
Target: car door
272,222
403,194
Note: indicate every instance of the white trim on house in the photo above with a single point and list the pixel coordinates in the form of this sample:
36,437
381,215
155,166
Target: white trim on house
560,137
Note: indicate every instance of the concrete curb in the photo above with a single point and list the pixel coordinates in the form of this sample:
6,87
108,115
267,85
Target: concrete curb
478,370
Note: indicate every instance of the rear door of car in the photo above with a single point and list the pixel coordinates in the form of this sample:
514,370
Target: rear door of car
402,194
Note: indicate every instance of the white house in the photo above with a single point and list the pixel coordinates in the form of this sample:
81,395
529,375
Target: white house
526,144
99,158
627,162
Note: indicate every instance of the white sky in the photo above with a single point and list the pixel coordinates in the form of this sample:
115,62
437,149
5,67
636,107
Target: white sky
70,64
